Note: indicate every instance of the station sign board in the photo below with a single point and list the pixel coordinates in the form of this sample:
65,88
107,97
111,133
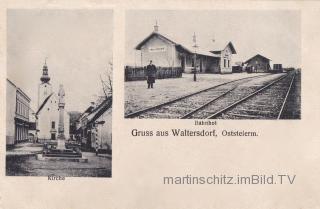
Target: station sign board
157,49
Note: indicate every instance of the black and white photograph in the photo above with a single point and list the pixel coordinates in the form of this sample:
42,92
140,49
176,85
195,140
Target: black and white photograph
213,64
59,92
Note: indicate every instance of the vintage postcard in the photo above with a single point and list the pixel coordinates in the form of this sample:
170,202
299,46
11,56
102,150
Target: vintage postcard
93,93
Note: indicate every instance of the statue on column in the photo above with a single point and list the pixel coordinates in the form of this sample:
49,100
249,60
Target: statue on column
61,94
61,151
61,137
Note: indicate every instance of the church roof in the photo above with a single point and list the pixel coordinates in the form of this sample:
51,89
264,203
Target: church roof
43,104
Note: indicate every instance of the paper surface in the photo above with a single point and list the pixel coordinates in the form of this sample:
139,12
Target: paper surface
140,163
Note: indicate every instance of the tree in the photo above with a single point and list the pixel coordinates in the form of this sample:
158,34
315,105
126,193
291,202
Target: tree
106,80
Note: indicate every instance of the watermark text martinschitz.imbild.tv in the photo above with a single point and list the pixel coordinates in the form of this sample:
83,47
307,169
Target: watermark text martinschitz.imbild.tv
232,179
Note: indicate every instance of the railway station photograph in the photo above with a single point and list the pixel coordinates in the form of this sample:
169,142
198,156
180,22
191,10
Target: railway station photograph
212,64
59,93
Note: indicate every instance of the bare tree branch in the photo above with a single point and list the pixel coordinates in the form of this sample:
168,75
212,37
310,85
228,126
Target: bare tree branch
103,86
106,80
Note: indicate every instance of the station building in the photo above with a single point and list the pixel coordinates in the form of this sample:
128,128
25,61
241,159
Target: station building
259,64
17,114
164,52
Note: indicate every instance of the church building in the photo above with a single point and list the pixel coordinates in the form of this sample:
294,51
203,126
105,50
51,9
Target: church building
48,110
164,52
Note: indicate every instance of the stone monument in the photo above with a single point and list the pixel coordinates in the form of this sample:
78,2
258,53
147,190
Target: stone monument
61,137
61,151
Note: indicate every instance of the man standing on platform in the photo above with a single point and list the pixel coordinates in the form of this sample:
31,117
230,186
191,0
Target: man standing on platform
151,74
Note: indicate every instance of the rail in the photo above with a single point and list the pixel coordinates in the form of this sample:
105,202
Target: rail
139,112
216,114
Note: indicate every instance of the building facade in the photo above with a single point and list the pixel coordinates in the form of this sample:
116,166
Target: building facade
17,114
165,52
258,64
95,126
225,52
32,133
48,110
277,67
73,117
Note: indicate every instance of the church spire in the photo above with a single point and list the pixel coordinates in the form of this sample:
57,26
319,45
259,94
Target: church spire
45,77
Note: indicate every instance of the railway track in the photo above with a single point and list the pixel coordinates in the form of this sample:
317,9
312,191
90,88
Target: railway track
189,106
267,102
292,107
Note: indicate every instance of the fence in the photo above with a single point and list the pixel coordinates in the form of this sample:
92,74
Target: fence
139,73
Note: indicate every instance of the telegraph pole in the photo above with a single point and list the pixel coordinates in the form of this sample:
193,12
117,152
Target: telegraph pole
195,46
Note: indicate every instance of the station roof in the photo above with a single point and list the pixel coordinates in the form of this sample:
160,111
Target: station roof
138,47
256,56
220,46
183,47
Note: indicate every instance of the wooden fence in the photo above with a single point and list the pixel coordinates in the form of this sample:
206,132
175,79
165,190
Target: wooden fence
139,73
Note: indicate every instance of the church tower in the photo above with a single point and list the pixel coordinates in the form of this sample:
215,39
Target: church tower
45,88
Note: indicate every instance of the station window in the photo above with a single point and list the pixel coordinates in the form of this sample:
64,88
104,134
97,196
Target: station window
228,63
53,124
224,62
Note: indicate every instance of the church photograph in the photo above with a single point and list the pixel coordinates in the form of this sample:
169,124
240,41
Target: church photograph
59,93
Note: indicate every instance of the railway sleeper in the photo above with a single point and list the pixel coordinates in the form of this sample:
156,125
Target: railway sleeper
264,114
237,116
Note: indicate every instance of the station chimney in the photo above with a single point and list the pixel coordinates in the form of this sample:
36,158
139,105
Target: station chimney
156,27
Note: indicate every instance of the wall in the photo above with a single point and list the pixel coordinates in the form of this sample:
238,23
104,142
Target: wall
210,65
45,89
226,54
163,58
48,114
10,113
259,64
21,116
105,130
23,105
188,62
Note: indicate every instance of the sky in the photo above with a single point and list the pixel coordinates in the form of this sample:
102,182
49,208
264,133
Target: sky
274,34
77,44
